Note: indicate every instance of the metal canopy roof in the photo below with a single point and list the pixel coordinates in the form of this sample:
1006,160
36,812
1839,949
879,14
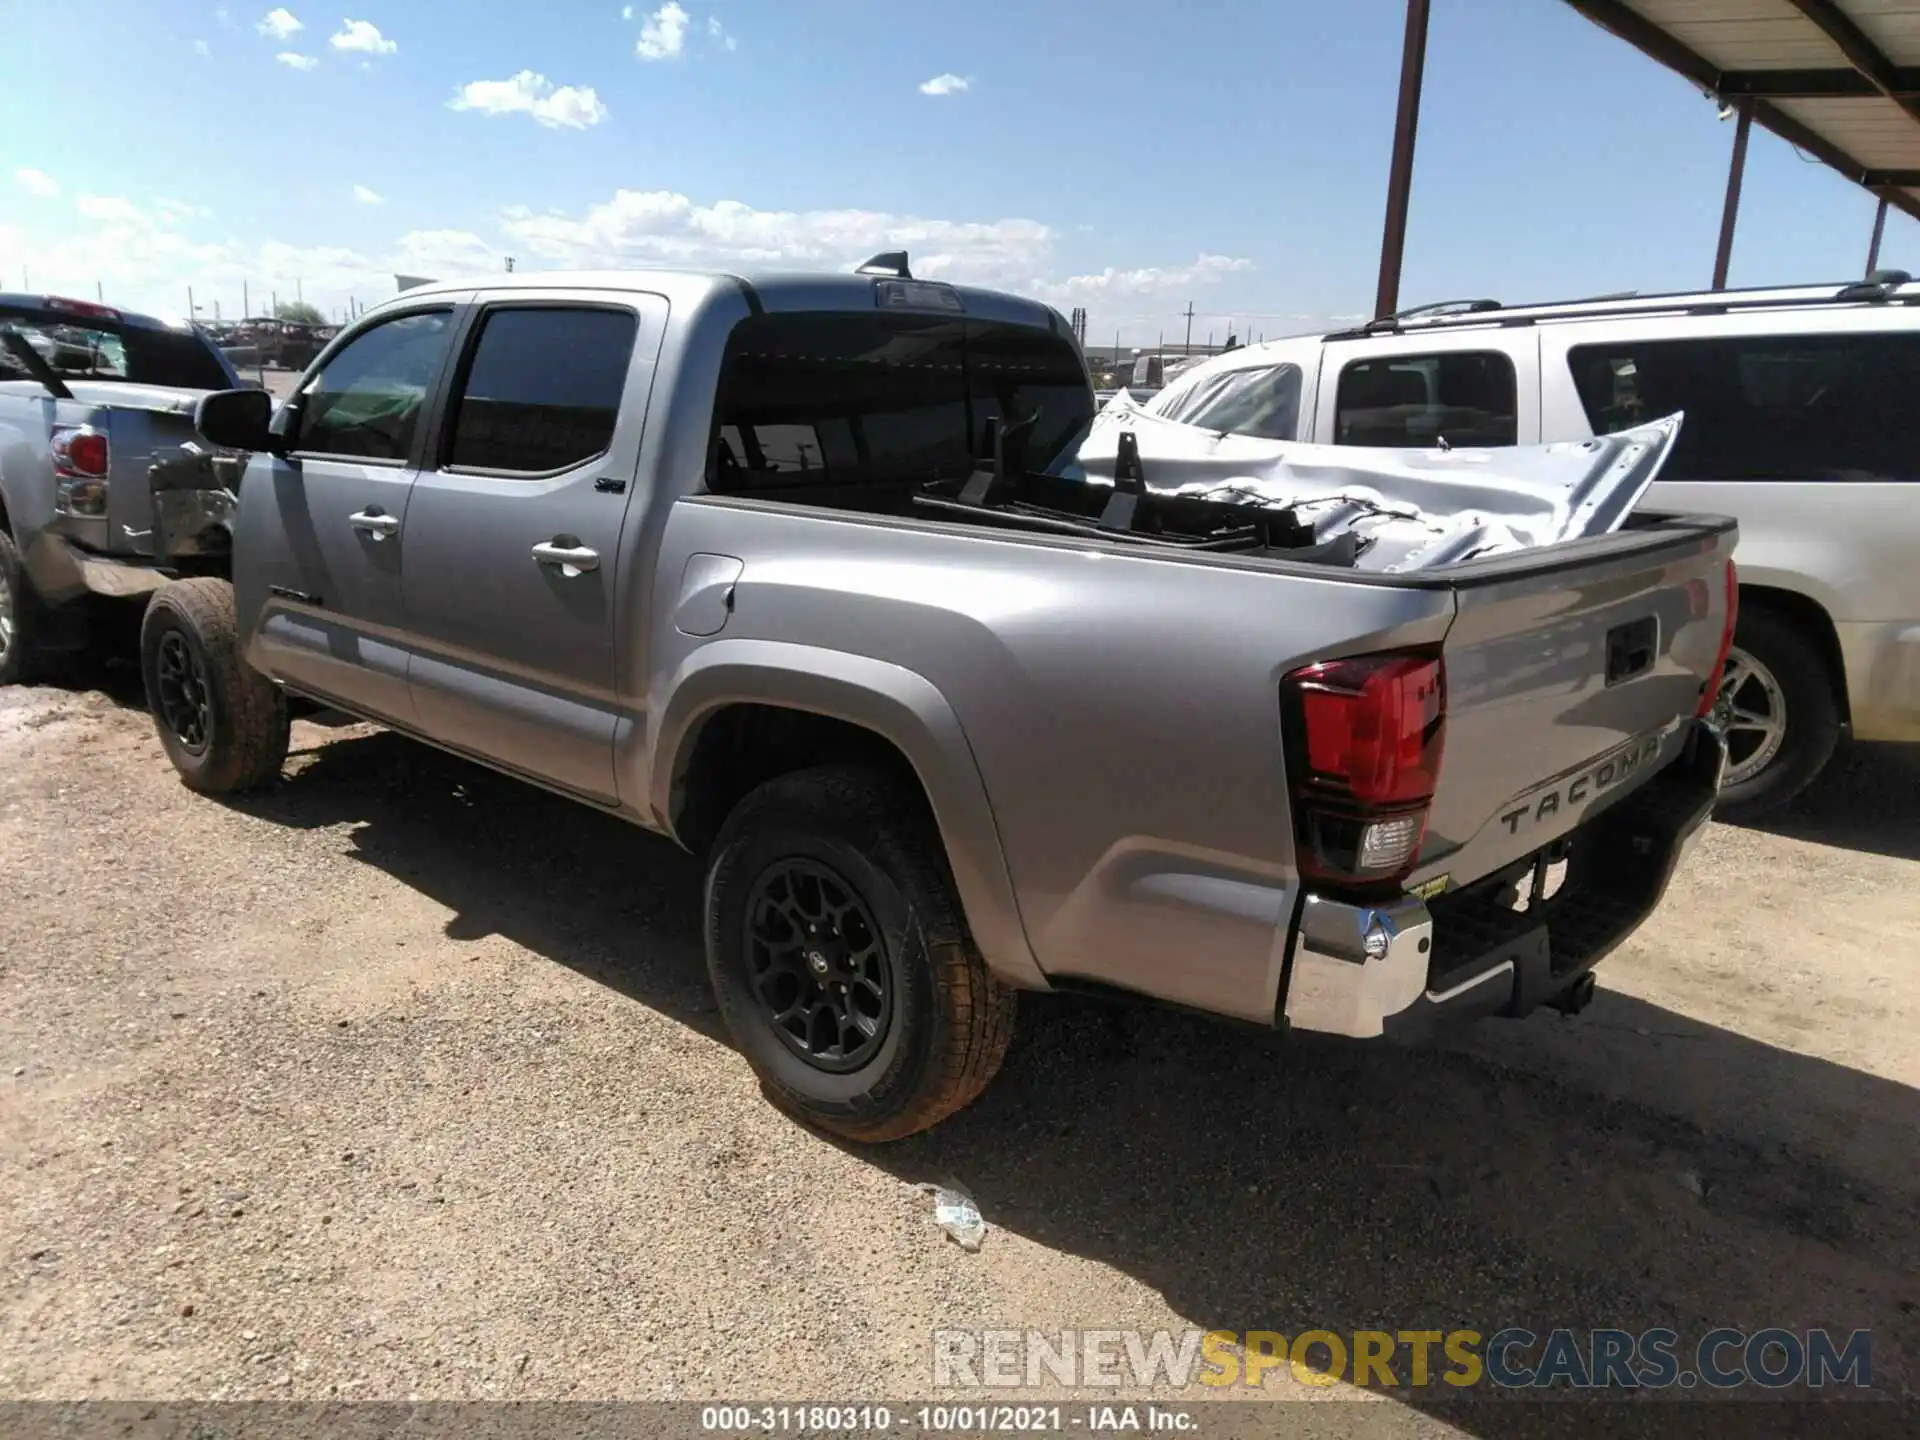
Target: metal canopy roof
1838,78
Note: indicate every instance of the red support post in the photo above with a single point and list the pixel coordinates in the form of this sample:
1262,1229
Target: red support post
1393,243
1736,172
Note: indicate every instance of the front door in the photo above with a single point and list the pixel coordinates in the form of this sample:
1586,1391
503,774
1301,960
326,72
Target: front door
514,534
322,557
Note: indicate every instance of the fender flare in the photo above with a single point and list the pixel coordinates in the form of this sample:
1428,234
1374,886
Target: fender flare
900,706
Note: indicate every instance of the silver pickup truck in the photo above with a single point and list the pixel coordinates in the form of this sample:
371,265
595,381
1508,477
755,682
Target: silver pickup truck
102,491
784,568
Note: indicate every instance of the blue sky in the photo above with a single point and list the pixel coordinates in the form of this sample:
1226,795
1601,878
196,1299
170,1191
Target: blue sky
1126,156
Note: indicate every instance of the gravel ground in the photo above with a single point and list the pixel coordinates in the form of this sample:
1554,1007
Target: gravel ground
403,1081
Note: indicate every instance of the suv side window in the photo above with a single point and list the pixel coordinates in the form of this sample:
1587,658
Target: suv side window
1764,407
1263,402
826,400
366,403
1464,397
541,389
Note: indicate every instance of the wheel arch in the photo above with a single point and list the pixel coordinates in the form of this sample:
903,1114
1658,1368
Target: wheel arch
1811,617
740,712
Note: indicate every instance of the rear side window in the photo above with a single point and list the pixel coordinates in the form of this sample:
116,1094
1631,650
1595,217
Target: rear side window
542,391
859,400
366,402
1465,398
1764,407
1263,402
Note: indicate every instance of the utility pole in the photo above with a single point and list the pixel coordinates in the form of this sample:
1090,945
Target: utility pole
1406,128
1187,349
276,303
99,292
191,309
299,292
246,302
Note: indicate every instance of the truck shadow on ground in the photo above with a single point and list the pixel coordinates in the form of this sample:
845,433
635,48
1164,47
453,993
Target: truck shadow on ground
1868,799
1261,1185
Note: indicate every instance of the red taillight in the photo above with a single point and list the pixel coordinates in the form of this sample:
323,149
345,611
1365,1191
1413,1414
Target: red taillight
1711,695
81,452
1367,758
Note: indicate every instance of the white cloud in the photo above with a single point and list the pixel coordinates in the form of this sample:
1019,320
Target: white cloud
296,60
719,34
948,84
574,107
626,12
362,35
279,24
1112,284
36,182
368,197
658,227
665,33
200,47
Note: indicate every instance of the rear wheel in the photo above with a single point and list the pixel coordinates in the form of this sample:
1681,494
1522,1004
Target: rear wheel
840,959
1777,707
17,616
223,724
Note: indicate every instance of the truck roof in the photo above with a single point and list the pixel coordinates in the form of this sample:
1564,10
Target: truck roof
775,289
60,310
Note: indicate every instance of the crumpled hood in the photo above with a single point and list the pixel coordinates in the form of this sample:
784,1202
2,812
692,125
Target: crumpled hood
1411,509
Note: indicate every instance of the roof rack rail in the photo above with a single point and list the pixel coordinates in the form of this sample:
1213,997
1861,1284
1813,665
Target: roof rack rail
1878,288
1436,310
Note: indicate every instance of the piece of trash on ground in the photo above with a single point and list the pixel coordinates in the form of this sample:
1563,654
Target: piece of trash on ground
955,1212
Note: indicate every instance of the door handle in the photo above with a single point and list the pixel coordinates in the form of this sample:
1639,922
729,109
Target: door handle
375,523
572,559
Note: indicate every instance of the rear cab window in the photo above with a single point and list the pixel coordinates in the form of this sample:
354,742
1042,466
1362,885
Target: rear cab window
1465,397
862,409
1764,407
104,350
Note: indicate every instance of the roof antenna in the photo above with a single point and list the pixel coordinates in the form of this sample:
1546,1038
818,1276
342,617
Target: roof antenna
892,263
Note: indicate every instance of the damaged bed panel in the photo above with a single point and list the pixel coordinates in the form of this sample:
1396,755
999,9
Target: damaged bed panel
1389,510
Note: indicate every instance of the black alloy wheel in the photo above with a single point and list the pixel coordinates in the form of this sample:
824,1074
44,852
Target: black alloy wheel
182,693
817,962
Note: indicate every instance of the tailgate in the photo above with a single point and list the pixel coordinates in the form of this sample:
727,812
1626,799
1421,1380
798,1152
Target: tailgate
1569,675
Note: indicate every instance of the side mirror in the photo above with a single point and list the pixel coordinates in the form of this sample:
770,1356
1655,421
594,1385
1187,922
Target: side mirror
235,419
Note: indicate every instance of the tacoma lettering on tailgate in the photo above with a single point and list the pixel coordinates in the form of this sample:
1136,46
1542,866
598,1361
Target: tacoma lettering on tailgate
1588,783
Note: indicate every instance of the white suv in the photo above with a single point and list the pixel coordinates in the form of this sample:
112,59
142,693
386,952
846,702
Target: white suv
1802,421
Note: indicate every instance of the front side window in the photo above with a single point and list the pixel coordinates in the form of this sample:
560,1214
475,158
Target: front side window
366,403
863,400
1262,401
1402,401
542,391
1764,407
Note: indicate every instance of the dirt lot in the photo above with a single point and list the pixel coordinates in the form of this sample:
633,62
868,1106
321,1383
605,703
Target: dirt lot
403,1080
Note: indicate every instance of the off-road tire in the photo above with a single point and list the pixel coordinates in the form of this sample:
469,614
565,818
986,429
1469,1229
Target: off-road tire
247,723
951,1018
18,663
1812,714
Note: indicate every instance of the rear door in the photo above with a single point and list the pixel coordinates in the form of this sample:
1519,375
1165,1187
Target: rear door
320,556
1810,438
1473,390
514,533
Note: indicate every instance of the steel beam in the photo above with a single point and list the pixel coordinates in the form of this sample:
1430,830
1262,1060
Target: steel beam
1861,52
1406,126
1815,84
1730,212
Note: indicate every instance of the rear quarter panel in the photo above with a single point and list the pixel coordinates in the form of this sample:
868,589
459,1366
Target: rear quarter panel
1122,711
